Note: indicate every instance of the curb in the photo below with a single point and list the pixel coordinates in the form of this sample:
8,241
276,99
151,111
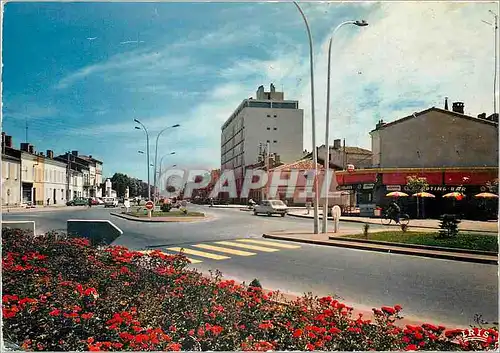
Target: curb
390,225
393,249
417,246
152,220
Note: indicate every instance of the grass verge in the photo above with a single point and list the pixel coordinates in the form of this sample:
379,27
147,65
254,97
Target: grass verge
166,214
469,241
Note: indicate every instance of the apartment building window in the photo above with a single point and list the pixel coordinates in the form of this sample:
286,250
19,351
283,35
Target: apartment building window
275,116
268,141
275,141
275,128
268,128
269,116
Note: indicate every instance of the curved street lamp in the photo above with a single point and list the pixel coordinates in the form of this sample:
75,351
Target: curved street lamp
156,153
147,152
313,121
361,23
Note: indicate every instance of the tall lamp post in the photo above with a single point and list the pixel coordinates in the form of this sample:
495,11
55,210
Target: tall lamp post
495,28
313,122
147,153
327,127
156,154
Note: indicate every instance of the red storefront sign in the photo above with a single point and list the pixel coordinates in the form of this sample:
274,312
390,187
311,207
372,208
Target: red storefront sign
433,178
356,178
468,178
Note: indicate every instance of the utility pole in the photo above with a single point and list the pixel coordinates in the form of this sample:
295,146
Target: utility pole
268,146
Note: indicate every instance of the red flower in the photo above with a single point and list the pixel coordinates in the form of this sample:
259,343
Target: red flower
55,312
388,310
297,333
397,307
174,347
87,316
309,347
117,345
411,347
334,330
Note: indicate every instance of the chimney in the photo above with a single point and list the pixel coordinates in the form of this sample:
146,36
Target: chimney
379,124
50,154
492,117
336,144
31,149
8,141
90,156
74,153
25,147
482,116
445,103
458,107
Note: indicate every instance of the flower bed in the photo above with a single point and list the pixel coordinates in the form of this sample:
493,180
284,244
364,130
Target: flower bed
62,294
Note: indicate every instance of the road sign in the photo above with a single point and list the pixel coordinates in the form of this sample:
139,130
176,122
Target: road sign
150,205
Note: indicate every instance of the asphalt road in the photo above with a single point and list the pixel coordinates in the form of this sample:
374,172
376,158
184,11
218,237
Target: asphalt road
441,291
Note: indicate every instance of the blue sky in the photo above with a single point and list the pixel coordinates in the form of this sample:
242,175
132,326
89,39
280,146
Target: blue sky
193,63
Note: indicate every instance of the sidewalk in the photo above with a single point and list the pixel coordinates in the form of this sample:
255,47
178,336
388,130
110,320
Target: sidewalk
19,209
465,225
333,239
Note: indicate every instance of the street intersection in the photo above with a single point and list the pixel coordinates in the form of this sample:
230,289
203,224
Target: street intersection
441,291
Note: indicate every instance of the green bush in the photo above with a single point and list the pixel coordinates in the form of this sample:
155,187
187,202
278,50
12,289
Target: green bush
448,226
166,207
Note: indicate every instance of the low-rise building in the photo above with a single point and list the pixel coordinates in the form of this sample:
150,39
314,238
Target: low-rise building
56,181
451,150
11,173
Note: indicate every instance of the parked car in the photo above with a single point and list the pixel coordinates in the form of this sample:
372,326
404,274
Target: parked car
94,201
271,207
100,201
78,202
110,202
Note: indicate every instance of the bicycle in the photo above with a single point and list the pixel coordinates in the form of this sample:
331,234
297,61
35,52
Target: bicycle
403,219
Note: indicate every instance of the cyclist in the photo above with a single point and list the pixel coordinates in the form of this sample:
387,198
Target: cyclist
394,211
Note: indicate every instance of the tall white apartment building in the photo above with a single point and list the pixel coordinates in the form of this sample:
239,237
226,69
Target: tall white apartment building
268,120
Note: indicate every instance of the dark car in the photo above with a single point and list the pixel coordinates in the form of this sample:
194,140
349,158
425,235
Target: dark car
78,202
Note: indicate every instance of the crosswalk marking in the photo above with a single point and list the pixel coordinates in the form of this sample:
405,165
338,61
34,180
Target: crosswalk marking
200,253
226,250
193,261
271,243
246,246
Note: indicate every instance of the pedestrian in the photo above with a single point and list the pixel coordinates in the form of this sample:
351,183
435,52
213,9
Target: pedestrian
90,202
48,201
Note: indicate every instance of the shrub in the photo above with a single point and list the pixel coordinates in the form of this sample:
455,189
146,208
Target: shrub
61,294
366,228
166,207
448,226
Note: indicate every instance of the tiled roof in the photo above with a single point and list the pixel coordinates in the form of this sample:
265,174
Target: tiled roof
303,164
357,150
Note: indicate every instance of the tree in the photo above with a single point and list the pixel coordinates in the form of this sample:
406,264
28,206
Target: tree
120,182
493,186
415,185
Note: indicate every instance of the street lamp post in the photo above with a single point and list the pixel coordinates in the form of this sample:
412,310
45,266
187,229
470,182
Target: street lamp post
327,127
495,28
147,153
313,122
159,170
156,154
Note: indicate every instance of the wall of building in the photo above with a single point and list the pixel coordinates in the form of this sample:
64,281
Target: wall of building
283,129
28,165
55,182
11,181
76,185
437,139
339,158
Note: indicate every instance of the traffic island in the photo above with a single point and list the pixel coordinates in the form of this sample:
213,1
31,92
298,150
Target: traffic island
172,216
342,239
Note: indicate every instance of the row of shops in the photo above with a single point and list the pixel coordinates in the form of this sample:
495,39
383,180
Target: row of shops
371,186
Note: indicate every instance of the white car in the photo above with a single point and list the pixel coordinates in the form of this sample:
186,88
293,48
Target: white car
110,202
271,207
